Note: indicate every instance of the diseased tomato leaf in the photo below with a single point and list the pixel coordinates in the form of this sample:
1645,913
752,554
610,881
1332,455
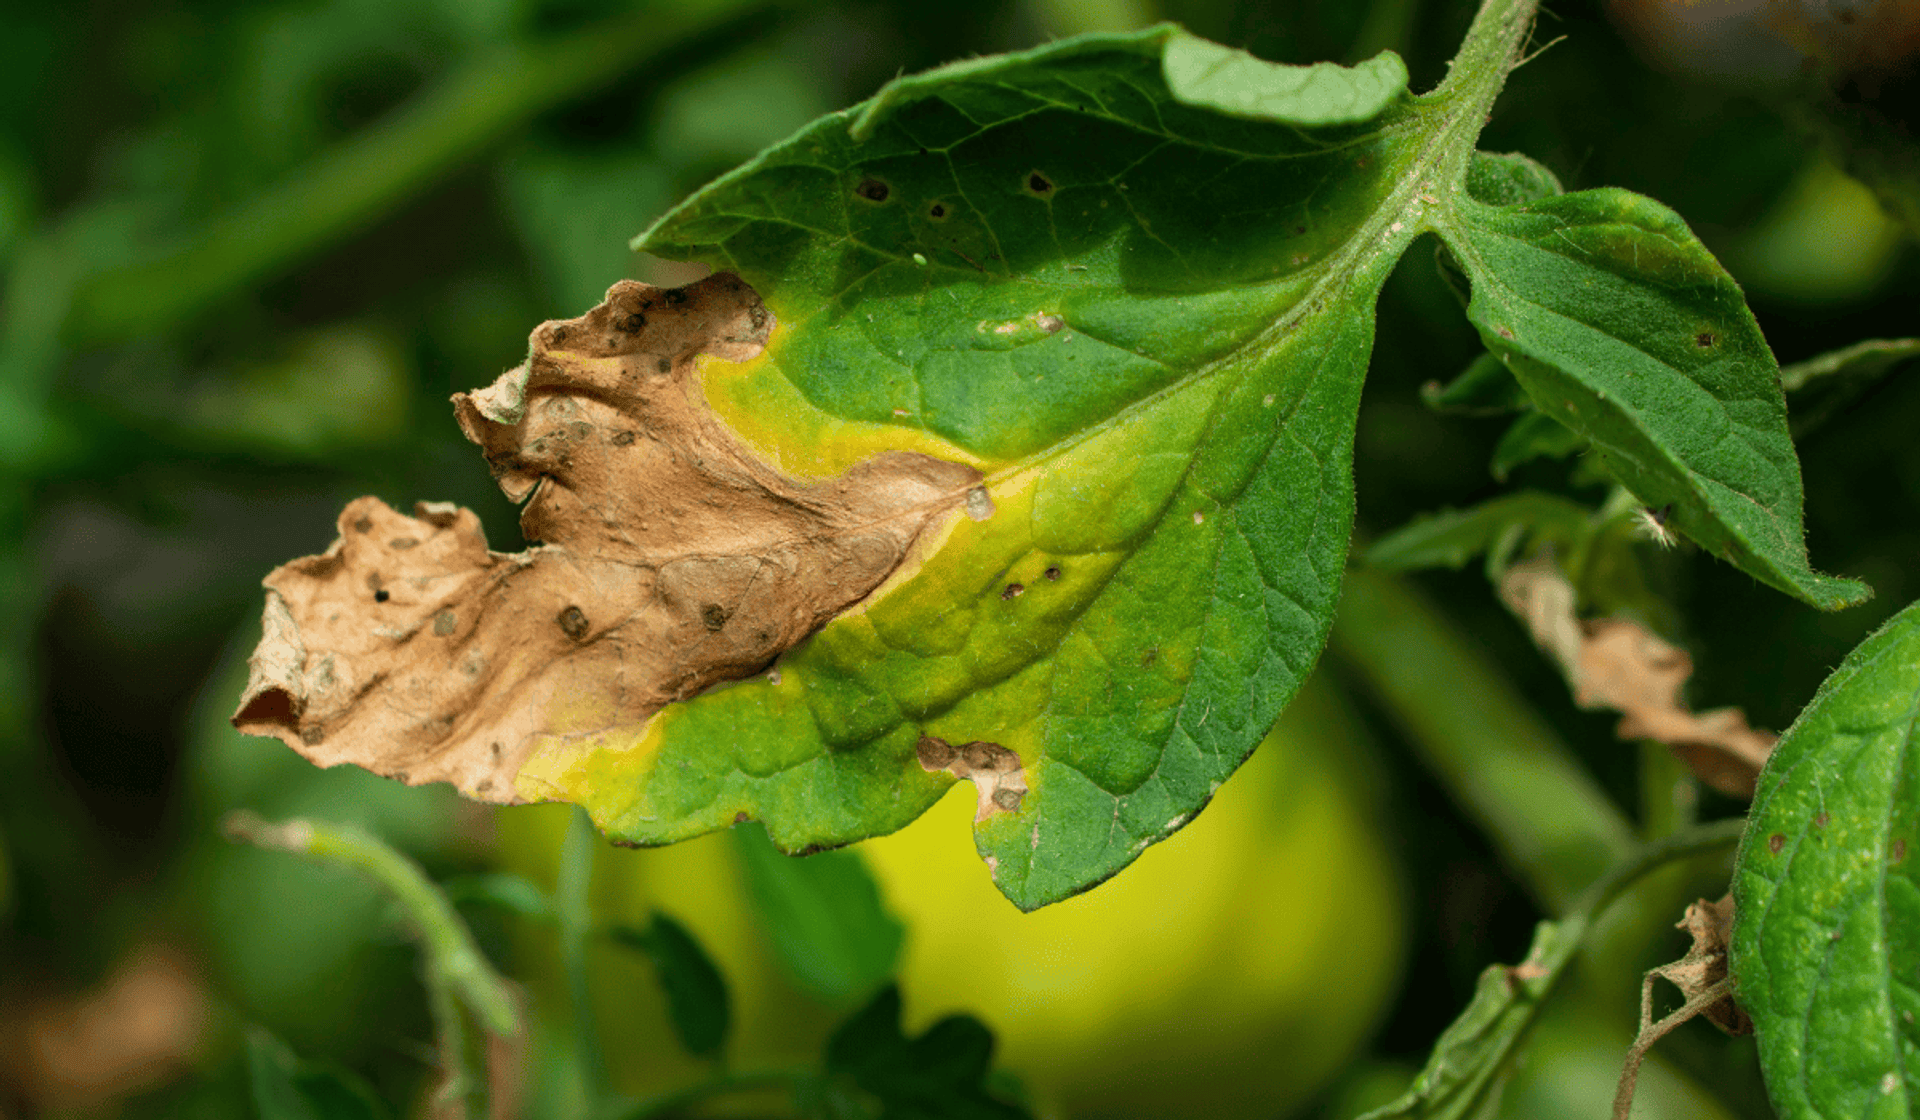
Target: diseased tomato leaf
1826,935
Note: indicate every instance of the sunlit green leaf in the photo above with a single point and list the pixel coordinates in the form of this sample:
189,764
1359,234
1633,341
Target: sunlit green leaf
1239,85
1622,326
1826,941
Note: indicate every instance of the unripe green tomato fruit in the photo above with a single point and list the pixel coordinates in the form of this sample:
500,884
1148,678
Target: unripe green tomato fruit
1231,970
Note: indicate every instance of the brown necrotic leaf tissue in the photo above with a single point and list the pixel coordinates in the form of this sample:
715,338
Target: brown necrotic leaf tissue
670,557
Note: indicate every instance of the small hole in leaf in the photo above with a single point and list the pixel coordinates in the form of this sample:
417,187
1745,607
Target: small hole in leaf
873,190
1039,184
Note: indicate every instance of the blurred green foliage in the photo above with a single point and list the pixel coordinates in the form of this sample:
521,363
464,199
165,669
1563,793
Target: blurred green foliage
249,249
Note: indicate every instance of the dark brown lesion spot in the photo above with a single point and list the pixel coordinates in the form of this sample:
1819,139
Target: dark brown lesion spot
1821,820
1014,591
633,323
1149,655
663,366
573,622
1776,842
873,190
938,211
934,753
381,596
1704,340
1052,572
714,616
364,525
1008,799
401,544
313,734
622,439
1039,184
1899,851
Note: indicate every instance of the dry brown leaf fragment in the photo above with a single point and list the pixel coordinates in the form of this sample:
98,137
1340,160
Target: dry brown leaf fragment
671,558
1617,663
1703,979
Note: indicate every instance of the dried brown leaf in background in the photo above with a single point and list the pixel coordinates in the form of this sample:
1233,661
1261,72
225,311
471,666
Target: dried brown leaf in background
671,557
1617,663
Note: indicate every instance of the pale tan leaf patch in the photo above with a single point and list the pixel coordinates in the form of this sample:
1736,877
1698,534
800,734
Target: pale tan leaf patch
671,558
1619,664
999,781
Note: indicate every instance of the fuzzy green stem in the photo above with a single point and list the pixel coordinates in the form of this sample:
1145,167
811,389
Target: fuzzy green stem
459,978
1553,825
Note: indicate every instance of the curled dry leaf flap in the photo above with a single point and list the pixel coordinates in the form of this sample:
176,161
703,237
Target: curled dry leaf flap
1619,664
670,558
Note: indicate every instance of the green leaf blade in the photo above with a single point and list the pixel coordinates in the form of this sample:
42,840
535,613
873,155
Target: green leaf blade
698,1003
1622,326
1238,84
1826,944
824,916
1002,264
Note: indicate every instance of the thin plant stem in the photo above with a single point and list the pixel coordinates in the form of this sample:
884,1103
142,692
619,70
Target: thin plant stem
1503,765
572,899
459,978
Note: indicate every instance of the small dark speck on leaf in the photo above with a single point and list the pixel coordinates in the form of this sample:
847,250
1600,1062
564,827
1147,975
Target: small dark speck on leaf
632,323
1053,572
714,616
364,525
1013,591
444,624
1039,184
573,621
1821,820
1776,842
401,544
312,736
381,596
1008,799
1151,655
873,190
676,296
663,366
622,439
936,211
1704,339
741,817
1899,851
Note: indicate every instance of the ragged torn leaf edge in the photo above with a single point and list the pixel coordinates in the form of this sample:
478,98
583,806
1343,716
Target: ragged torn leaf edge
669,557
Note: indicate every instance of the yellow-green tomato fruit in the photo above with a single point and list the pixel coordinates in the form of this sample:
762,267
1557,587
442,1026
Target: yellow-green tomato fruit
1232,970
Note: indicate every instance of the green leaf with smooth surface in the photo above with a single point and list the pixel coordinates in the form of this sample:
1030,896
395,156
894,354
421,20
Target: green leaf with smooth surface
1499,526
824,915
1826,939
1824,385
1485,388
1533,436
697,999
1509,178
286,1088
940,1075
1209,75
1622,326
